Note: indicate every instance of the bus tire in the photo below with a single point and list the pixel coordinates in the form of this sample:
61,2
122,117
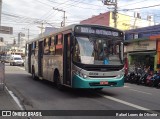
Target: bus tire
57,81
33,74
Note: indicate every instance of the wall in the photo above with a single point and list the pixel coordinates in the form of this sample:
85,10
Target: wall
123,21
101,19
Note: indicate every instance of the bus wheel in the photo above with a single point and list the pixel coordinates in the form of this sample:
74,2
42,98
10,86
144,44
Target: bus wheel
33,74
58,82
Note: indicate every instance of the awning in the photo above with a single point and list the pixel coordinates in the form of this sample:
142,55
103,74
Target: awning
2,44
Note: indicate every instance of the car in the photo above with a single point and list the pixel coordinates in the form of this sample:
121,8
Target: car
16,60
2,58
7,58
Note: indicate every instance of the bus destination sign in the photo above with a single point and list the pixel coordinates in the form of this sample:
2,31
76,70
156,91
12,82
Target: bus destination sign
89,30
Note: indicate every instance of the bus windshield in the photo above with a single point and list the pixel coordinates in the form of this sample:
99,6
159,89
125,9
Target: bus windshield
98,51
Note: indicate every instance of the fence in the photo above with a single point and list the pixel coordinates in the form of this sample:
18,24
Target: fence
2,76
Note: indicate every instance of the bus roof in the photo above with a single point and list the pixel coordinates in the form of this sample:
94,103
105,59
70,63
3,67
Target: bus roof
70,27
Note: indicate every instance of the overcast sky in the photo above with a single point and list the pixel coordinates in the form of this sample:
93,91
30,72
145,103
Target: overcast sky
29,14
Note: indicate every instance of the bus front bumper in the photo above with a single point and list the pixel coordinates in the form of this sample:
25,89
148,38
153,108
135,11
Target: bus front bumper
80,82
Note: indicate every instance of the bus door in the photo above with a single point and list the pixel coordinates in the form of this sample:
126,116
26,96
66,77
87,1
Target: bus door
29,57
67,60
40,58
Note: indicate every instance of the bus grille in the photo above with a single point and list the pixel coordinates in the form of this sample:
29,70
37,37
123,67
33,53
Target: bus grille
103,69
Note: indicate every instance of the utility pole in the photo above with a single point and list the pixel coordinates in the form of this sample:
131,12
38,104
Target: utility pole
114,3
27,33
64,15
41,27
0,10
14,43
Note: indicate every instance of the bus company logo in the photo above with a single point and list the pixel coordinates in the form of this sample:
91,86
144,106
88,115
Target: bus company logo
6,113
93,74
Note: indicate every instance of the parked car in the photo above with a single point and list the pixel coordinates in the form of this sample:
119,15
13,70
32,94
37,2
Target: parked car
16,60
2,58
7,58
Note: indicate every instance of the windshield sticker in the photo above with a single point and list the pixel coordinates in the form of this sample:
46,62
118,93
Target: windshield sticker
87,60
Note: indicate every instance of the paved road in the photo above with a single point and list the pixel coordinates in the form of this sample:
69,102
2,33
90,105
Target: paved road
42,95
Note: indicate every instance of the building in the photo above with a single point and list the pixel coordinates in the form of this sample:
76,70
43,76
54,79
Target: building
124,22
143,46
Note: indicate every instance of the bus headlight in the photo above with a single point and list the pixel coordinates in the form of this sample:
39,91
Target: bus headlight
81,74
85,76
119,76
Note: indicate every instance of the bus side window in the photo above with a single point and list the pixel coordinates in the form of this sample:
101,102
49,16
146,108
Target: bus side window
52,45
46,46
33,48
59,44
76,51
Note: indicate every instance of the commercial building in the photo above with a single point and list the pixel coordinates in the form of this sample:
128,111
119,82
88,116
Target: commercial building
143,46
124,22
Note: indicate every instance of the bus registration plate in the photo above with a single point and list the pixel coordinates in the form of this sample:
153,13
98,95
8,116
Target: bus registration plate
104,83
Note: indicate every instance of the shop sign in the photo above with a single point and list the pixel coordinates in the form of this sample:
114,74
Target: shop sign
141,46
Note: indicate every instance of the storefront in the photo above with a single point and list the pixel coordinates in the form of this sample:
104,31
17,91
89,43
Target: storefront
142,53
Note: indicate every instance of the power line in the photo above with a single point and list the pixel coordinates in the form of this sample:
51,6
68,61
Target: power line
132,3
69,5
140,8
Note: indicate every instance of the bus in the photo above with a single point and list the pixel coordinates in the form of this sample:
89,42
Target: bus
78,56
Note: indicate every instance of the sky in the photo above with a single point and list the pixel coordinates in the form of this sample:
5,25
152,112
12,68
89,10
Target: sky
30,14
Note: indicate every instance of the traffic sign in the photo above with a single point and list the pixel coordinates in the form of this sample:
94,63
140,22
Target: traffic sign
6,30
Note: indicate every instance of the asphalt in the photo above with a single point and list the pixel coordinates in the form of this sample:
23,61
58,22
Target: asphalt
7,103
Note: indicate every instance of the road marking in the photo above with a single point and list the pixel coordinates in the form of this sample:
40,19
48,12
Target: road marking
124,102
140,91
128,104
15,98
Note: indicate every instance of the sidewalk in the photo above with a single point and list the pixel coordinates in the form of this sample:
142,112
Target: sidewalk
8,103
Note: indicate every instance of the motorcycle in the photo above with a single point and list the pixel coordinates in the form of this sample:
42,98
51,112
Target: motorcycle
142,80
156,82
150,79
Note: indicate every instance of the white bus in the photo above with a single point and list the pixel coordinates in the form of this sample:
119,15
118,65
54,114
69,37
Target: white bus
78,56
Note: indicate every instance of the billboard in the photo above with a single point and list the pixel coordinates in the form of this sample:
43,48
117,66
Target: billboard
6,30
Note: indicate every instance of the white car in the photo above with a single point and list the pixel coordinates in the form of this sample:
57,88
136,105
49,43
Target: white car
16,60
